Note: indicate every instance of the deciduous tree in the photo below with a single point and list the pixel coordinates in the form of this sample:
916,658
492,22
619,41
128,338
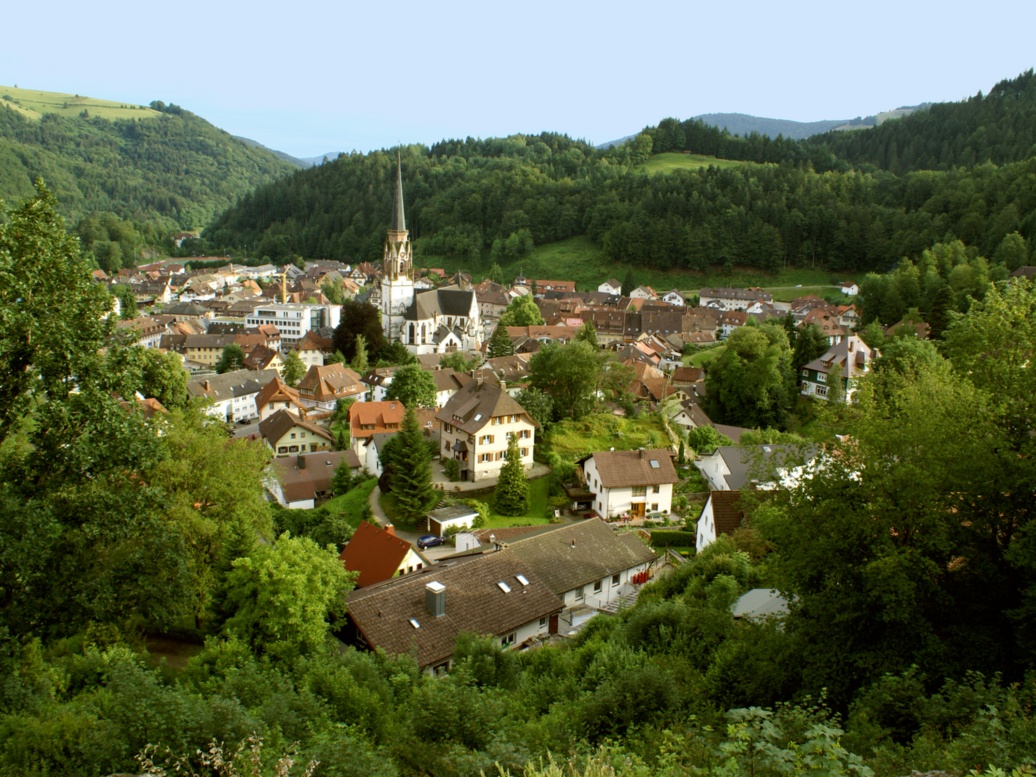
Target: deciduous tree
294,369
412,385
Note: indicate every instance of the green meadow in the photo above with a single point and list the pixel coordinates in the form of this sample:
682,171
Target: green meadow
34,104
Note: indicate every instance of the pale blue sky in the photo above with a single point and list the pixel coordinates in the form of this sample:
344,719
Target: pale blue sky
311,77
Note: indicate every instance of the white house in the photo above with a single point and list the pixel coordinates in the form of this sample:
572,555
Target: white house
634,482
722,514
611,286
733,467
674,297
233,394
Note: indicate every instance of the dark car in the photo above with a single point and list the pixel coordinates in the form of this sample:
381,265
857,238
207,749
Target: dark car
429,541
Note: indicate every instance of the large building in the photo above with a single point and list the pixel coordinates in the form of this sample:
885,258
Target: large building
440,320
294,321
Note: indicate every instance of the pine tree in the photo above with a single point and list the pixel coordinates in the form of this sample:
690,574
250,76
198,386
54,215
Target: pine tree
512,491
412,476
587,333
500,344
294,370
359,361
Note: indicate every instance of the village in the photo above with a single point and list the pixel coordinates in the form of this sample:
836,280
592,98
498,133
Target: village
260,346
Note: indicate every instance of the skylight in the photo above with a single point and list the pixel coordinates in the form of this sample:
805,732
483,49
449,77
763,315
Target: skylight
504,587
522,579
414,623
478,416
655,464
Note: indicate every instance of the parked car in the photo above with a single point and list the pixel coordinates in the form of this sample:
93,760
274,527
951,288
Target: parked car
429,541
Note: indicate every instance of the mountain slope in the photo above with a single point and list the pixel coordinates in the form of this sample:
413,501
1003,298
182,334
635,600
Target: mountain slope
164,164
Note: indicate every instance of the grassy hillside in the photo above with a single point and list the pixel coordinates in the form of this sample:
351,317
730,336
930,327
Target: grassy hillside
666,163
160,165
34,104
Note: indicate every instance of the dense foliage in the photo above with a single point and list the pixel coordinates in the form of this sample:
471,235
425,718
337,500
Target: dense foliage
793,203
174,172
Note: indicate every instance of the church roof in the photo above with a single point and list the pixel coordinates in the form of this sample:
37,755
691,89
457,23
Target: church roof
447,301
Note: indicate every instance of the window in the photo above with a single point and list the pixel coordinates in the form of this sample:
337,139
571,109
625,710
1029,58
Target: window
543,622
805,373
579,594
293,435
654,489
524,452
524,434
598,586
821,391
508,640
821,377
616,579
485,439
639,490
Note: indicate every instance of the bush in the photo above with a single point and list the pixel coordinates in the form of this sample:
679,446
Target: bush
452,470
663,539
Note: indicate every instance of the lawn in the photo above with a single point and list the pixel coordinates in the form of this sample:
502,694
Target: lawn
33,104
539,495
704,357
572,440
352,502
581,260
666,163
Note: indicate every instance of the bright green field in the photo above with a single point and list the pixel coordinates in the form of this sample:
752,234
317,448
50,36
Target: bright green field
581,260
352,502
33,104
704,358
572,440
666,163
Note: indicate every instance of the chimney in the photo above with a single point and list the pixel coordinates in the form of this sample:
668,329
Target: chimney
302,461
435,598
390,529
573,544
206,384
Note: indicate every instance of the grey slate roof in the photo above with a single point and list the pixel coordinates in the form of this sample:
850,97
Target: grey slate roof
475,603
580,553
237,383
444,301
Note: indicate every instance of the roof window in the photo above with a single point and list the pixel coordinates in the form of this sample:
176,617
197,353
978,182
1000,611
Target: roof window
504,587
522,579
414,623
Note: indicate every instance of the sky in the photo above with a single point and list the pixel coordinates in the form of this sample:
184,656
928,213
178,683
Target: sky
312,76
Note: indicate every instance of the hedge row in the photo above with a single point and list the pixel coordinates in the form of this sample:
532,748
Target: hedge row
662,539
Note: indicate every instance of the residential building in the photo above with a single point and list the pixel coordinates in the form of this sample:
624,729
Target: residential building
732,299
476,425
287,435
735,468
377,554
233,394
322,387
611,286
305,480
422,614
630,482
722,514
294,320
278,395
367,419
846,361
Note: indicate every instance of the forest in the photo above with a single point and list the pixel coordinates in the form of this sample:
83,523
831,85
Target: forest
908,556
167,174
852,201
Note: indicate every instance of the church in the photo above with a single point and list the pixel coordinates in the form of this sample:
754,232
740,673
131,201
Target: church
441,320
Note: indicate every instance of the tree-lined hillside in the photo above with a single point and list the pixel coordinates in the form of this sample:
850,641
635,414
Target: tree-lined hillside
802,204
168,167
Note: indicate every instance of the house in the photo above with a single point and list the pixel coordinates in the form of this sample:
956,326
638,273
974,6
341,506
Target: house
287,434
731,320
233,394
588,565
475,427
313,347
367,419
611,286
447,383
675,297
634,482
321,387
278,395
422,614
726,298
722,514
542,286
377,554
304,480
643,292
371,452
849,288
259,357
733,468
846,361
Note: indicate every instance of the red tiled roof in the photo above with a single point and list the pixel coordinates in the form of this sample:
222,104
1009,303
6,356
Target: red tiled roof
375,553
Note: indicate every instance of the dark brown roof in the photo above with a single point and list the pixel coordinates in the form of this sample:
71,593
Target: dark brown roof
727,514
325,383
315,473
385,613
473,405
281,422
375,553
622,469
580,553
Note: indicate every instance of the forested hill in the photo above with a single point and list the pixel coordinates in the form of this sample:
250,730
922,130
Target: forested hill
792,203
999,127
169,167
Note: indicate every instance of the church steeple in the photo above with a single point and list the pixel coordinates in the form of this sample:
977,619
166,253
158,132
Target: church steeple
398,223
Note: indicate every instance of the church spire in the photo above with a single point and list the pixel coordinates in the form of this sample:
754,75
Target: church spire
398,223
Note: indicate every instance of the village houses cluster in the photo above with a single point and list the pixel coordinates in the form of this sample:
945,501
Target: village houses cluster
520,585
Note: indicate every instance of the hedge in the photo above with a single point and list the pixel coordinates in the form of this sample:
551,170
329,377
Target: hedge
663,539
